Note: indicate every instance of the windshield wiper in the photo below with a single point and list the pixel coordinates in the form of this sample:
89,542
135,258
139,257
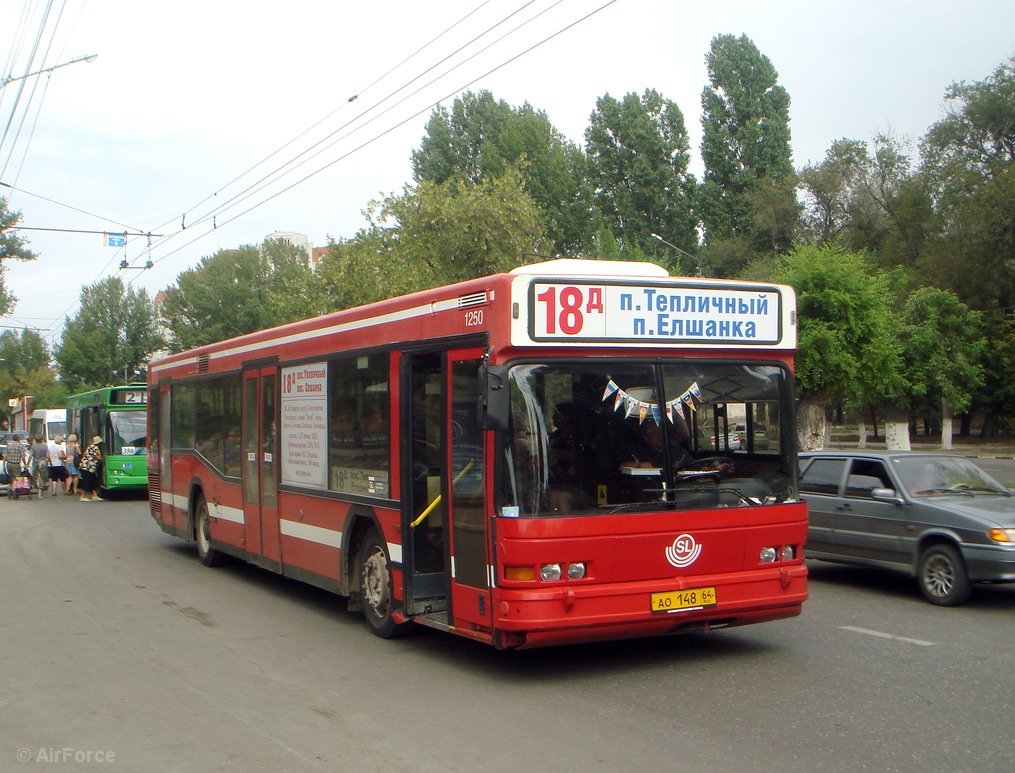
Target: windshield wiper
670,498
943,490
986,490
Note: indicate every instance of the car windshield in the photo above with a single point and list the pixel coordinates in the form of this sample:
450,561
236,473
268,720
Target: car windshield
602,436
928,476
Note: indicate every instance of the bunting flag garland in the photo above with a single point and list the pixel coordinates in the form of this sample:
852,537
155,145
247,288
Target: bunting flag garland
633,404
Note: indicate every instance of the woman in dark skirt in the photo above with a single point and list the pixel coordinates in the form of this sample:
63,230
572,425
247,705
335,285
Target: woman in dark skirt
91,462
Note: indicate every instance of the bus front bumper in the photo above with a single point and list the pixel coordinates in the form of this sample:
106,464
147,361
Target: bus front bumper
595,612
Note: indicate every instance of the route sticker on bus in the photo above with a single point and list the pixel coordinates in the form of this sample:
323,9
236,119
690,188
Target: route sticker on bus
683,600
580,312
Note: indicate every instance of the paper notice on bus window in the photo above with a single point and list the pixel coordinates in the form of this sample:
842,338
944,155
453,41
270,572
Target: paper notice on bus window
304,431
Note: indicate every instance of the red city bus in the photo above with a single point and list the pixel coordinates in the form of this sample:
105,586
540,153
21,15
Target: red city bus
532,458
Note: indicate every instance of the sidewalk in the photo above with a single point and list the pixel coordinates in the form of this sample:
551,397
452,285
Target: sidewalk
998,448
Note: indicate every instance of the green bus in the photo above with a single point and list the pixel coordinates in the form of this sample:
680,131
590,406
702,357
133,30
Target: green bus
119,415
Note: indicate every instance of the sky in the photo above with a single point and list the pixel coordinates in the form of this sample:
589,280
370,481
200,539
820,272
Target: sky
177,126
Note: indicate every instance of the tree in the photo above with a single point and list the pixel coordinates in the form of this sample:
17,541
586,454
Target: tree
12,247
638,154
996,398
365,268
240,291
220,298
828,189
943,345
292,291
745,146
968,162
110,339
866,197
848,350
432,235
460,230
481,138
25,369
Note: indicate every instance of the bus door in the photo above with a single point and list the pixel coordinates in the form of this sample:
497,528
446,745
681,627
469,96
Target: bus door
171,514
446,549
470,586
260,494
423,552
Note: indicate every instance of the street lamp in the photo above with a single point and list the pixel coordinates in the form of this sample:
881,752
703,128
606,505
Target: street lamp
89,58
689,255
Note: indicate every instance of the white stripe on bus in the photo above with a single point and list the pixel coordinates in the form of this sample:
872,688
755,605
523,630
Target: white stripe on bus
395,316
310,533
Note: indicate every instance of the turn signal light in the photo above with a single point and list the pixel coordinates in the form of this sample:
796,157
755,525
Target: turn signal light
519,573
1002,535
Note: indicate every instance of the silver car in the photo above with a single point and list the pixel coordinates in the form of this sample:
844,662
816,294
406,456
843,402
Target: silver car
936,517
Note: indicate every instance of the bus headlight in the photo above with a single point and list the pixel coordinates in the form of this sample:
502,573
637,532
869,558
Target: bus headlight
575,571
768,555
549,572
788,552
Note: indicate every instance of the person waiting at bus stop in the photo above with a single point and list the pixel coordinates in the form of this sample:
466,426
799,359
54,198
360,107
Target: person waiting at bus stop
14,456
91,463
40,465
57,464
72,456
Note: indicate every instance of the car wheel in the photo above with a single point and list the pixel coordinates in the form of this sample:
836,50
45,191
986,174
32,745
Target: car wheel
375,584
202,533
942,576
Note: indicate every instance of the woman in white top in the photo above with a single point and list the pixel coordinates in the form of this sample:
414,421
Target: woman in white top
57,464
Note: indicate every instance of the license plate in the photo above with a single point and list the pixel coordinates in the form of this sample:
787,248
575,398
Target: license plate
681,600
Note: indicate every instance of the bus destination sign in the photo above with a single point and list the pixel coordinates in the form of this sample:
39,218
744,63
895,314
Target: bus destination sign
579,312
128,397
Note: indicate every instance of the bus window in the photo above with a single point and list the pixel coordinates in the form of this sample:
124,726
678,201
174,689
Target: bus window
359,431
591,437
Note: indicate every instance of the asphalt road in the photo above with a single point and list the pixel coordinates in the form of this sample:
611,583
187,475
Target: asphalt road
117,643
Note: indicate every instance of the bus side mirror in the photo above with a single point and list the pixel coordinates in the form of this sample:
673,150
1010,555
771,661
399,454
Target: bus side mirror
497,398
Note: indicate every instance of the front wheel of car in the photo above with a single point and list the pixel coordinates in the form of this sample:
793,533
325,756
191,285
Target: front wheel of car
942,576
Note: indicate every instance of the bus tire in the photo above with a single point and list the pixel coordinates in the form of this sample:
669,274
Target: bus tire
375,584
209,556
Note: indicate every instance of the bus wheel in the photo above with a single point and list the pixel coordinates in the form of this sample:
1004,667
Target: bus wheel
209,556
942,576
375,588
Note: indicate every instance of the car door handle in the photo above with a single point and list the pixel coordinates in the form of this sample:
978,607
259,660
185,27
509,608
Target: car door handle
844,508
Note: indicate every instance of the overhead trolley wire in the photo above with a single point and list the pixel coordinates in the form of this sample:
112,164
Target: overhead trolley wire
430,106
341,107
35,85
403,122
278,173
399,102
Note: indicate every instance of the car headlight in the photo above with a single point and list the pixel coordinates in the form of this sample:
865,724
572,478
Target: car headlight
1002,535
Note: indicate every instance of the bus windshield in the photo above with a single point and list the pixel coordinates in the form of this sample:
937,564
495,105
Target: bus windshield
605,436
129,432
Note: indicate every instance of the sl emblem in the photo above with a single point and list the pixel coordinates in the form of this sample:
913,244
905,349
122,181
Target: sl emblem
683,552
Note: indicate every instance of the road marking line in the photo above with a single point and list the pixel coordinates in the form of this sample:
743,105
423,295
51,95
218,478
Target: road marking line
881,635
